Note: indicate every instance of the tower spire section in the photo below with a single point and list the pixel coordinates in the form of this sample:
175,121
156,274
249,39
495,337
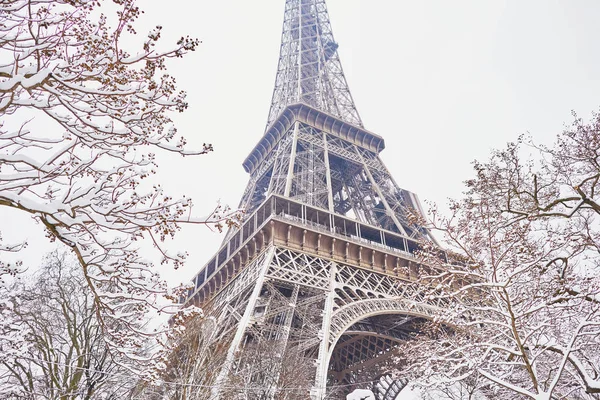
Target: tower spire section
309,69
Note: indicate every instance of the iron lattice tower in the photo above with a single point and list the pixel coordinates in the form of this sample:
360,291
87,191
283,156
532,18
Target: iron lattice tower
322,269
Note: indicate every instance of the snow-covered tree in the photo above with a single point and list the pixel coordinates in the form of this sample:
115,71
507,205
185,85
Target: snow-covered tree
83,113
64,355
264,370
523,287
8,269
261,370
11,334
192,366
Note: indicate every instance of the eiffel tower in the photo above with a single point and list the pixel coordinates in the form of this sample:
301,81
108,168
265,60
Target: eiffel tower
323,266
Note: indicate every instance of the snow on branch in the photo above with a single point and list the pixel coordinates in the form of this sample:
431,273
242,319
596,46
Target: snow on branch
81,121
520,276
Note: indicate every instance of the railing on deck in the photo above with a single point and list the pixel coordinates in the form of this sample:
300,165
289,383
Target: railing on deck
320,220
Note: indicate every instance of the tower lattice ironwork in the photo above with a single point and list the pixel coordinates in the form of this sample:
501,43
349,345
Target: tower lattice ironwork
323,266
309,69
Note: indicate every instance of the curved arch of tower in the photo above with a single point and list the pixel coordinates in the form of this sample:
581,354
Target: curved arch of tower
322,270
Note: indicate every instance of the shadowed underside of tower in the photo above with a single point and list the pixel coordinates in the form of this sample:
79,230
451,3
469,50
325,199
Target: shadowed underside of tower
318,283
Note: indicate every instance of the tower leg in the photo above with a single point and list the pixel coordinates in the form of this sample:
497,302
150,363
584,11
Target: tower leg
242,325
318,391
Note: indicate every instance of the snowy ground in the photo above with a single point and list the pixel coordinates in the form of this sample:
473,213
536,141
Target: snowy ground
409,393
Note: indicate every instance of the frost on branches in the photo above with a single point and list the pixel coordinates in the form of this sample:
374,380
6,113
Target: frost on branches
63,355
523,287
81,119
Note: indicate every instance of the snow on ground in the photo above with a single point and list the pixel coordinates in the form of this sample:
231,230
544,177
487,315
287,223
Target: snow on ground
361,394
408,393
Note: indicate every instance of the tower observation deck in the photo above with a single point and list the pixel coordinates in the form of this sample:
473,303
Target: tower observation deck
322,269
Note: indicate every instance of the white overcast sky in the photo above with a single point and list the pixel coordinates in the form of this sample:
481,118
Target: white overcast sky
443,82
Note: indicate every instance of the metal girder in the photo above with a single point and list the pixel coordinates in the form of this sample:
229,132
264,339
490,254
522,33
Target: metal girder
307,303
321,170
388,388
360,358
357,352
309,69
